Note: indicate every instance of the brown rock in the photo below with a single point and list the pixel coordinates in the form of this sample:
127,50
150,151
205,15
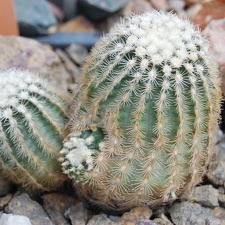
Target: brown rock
5,200
215,32
160,221
220,214
160,4
211,10
78,24
29,54
137,7
138,213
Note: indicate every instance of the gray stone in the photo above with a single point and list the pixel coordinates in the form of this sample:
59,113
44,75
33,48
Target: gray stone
205,195
9,219
78,214
57,218
114,218
4,201
5,185
77,53
34,13
101,219
23,205
187,213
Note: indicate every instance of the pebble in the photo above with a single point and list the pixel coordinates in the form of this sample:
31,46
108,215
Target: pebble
161,218
100,219
138,213
187,213
205,195
77,53
24,206
78,214
9,219
161,221
57,218
5,200
220,214
114,218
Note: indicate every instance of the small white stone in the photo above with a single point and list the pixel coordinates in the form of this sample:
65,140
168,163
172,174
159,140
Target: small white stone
10,219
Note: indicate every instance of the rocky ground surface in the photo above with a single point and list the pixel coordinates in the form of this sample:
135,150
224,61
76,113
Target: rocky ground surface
204,205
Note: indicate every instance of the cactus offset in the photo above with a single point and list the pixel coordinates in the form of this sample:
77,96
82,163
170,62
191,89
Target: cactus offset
32,121
152,87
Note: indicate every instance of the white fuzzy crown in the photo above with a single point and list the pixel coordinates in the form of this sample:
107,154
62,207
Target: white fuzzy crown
155,37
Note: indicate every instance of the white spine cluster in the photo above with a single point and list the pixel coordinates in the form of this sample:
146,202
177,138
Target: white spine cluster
76,156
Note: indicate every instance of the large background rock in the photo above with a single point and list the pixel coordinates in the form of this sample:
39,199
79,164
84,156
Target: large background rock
19,52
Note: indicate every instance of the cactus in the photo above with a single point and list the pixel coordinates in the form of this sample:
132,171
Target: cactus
151,87
32,121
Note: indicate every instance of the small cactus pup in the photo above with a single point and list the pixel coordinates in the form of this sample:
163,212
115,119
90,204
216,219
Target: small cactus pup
146,114
32,121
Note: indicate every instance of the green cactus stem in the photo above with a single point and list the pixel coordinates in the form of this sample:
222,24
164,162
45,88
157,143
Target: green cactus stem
151,85
32,121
